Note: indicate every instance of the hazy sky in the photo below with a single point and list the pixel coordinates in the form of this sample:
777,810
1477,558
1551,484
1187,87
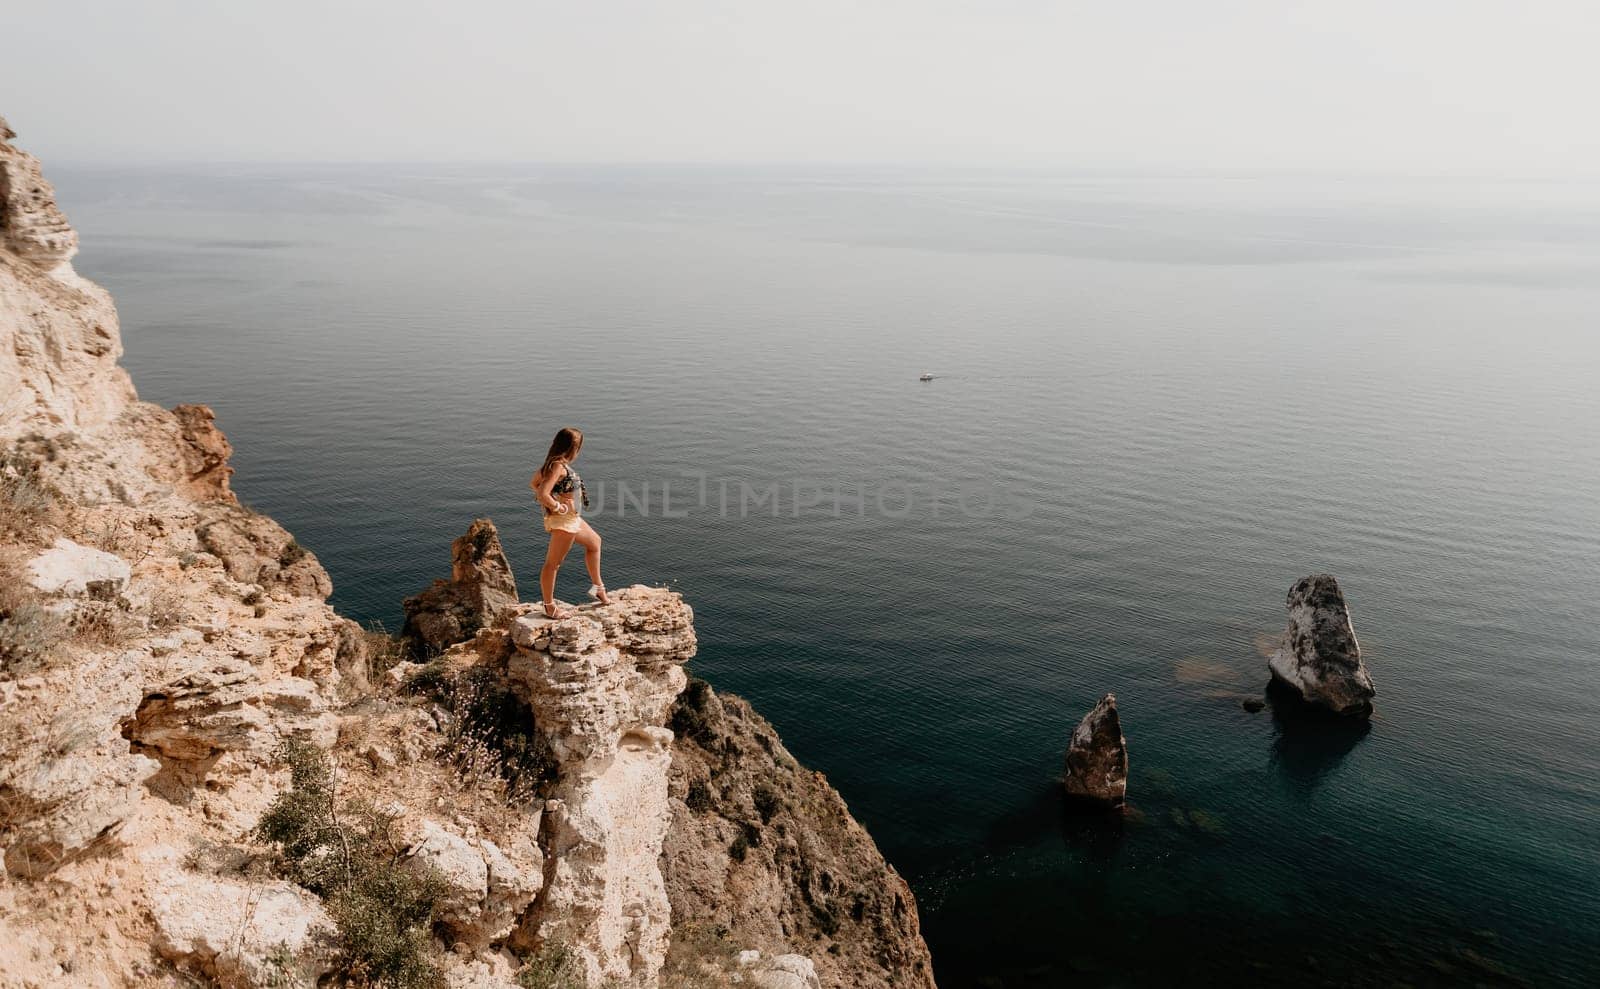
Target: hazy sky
1501,87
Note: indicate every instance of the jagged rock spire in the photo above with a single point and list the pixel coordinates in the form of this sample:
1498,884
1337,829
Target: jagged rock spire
1097,757
481,588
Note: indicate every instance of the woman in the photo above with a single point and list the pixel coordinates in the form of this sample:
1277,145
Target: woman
558,486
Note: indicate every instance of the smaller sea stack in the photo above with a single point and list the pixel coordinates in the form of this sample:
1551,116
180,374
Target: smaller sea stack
1319,658
481,588
1097,758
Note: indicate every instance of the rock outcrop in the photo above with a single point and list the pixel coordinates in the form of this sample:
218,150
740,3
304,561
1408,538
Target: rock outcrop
600,684
486,890
69,568
481,589
1319,658
1097,758
32,227
781,972
67,781
59,340
242,935
224,705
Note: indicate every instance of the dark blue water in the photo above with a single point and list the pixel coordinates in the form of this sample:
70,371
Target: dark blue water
1159,402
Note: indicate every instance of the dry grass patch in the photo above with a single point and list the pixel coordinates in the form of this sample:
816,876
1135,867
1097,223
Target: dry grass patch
28,504
700,956
167,608
489,739
106,624
30,633
118,536
384,650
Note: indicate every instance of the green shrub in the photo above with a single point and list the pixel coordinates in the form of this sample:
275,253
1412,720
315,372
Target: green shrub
691,714
433,680
554,967
385,922
767,802
349,853
698,799
700,955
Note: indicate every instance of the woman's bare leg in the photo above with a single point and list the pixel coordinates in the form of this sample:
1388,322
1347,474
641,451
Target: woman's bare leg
590,541
560,542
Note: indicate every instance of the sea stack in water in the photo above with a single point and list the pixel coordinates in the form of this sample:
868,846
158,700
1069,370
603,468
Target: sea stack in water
1319,658
480,589
1097,758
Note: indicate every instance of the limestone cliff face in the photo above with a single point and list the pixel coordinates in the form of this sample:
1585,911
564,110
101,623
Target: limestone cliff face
159,642
157,639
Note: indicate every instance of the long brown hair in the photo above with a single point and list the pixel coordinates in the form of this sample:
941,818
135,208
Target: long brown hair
568,441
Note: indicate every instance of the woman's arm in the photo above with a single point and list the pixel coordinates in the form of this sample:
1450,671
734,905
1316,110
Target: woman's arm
541,489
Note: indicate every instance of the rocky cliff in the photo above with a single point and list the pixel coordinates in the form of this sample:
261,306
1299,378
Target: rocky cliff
764,848
207,776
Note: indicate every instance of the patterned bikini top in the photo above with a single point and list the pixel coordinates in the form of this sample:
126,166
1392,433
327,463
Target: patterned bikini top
569,482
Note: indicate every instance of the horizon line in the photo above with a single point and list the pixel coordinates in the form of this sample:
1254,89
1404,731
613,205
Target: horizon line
1056,168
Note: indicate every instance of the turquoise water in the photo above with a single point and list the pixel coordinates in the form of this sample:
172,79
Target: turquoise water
1159,401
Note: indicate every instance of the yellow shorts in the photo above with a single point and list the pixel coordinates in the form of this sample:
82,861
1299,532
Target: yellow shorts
570,522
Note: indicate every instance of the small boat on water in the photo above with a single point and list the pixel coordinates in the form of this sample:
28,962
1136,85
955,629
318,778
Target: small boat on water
926,377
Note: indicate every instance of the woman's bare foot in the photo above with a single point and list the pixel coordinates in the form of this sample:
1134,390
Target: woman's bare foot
553,610
598,592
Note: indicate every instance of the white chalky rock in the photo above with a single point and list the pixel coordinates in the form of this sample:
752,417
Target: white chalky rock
787,972
68,568
243,935
600,698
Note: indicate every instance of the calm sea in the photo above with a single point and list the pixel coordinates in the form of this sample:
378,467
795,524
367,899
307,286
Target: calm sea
1158,401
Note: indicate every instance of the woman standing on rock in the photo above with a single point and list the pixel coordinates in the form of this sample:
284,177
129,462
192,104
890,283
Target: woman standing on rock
558,488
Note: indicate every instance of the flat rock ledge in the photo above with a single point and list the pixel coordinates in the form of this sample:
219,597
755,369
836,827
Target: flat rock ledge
1097,758
1319,659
